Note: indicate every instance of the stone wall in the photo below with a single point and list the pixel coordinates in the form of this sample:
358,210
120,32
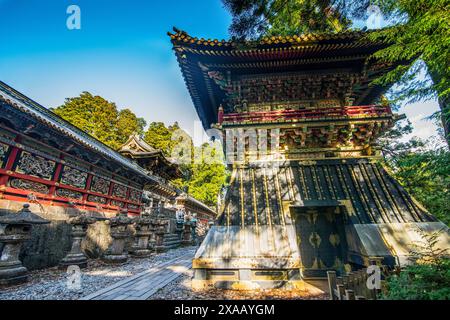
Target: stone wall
50,243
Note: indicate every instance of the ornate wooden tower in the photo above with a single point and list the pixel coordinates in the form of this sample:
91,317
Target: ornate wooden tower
300,122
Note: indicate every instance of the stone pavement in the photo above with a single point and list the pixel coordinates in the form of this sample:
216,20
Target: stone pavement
145,284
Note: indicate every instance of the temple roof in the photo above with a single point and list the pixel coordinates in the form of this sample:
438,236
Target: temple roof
148,157
137,147
43,115
183,197
208,64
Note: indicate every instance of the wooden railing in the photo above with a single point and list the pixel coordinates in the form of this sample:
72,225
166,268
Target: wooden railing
307,114
353,285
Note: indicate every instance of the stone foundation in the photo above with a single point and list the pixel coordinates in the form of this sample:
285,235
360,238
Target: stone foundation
49,244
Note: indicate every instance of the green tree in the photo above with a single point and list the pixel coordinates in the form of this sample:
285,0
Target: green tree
203,169
419,35
128,123
160,137
422,167
209,173
426,176
255,18
100,118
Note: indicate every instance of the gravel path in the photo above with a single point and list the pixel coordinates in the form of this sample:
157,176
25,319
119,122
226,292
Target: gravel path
180,289
51,284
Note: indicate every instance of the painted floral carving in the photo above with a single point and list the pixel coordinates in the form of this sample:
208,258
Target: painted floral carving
97,199
135,195
35,166
65,193
3,151
117,203
100,185
29,185
74,177
119,191
133,206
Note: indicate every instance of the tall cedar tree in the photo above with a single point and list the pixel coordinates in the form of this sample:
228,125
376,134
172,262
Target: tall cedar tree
101,119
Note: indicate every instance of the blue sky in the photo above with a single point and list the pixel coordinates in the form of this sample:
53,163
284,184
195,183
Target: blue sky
122,53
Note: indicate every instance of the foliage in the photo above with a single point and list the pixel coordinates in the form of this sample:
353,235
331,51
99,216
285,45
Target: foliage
419,42
252,19
100,118
160,137
426,176
427,278
204,172
421,167
208,173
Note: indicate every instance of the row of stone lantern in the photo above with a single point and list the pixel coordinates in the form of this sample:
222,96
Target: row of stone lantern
15,229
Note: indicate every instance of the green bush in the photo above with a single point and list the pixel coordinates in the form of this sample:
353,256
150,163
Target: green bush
420,282
428,276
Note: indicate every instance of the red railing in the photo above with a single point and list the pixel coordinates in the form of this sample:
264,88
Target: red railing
307,114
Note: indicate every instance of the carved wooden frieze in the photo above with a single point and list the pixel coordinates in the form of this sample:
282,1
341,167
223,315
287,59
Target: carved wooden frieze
117,203
74,177
36,166
29,185
133,206
135,195
3,151
92,198
66,193
100,185
119,191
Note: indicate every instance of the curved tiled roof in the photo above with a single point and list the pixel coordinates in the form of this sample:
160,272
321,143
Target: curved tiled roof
272,43
47,117
283,54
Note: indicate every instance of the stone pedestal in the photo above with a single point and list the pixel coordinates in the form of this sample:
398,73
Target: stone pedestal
143,232
76,256
161,230
116,253
15,229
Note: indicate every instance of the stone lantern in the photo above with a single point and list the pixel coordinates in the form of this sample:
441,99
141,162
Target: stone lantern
76,256
143,232
194,229
187,235
179,223
116,253
15,229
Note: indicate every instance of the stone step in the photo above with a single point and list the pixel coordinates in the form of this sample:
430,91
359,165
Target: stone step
172,243
171,236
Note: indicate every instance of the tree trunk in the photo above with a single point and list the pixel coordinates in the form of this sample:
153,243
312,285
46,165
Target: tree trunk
444,105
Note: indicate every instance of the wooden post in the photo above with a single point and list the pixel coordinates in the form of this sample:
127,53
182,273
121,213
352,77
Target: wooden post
351,281
332,284
345,280
350,294
341,291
